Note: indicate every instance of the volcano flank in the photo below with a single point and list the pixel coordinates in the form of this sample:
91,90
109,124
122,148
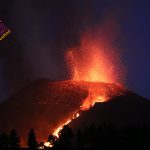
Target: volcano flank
45,105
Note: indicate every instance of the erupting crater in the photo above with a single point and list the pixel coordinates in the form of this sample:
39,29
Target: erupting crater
95,76
95,66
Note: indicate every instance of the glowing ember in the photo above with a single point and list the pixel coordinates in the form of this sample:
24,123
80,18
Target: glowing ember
77,115
48,144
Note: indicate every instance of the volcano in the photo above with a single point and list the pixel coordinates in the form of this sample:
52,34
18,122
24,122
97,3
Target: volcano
45,105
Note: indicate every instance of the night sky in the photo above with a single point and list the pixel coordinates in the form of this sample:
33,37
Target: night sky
42,30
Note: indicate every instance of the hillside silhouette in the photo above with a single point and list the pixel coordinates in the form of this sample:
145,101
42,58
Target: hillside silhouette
121,111
45,104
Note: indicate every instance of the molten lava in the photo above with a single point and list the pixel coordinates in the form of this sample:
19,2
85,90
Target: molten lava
76,115
97,92
94,65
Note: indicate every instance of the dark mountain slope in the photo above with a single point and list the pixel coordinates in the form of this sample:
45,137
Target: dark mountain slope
43,105
121,111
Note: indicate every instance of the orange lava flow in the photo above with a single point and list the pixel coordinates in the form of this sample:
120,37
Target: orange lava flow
94,60
76,115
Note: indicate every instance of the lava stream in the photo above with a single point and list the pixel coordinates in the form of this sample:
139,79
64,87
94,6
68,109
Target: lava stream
97,92
96,66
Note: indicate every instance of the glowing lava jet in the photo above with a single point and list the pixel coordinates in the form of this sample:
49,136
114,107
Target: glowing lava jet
94,65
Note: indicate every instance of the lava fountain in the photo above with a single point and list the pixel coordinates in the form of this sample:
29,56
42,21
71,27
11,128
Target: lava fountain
96,60
95,64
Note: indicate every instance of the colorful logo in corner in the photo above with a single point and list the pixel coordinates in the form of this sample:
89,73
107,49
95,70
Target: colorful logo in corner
4,31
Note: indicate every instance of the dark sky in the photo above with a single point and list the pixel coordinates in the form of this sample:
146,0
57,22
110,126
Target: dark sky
137,56
42,30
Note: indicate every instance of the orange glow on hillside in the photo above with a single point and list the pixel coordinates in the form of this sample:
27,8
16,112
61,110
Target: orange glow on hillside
48,144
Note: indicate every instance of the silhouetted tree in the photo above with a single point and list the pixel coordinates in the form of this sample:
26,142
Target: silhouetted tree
14,141
65,138
110,134
105,137
32,143
90,136
79,139
3,141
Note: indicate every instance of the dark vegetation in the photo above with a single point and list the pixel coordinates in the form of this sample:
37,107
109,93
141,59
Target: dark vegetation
105,137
